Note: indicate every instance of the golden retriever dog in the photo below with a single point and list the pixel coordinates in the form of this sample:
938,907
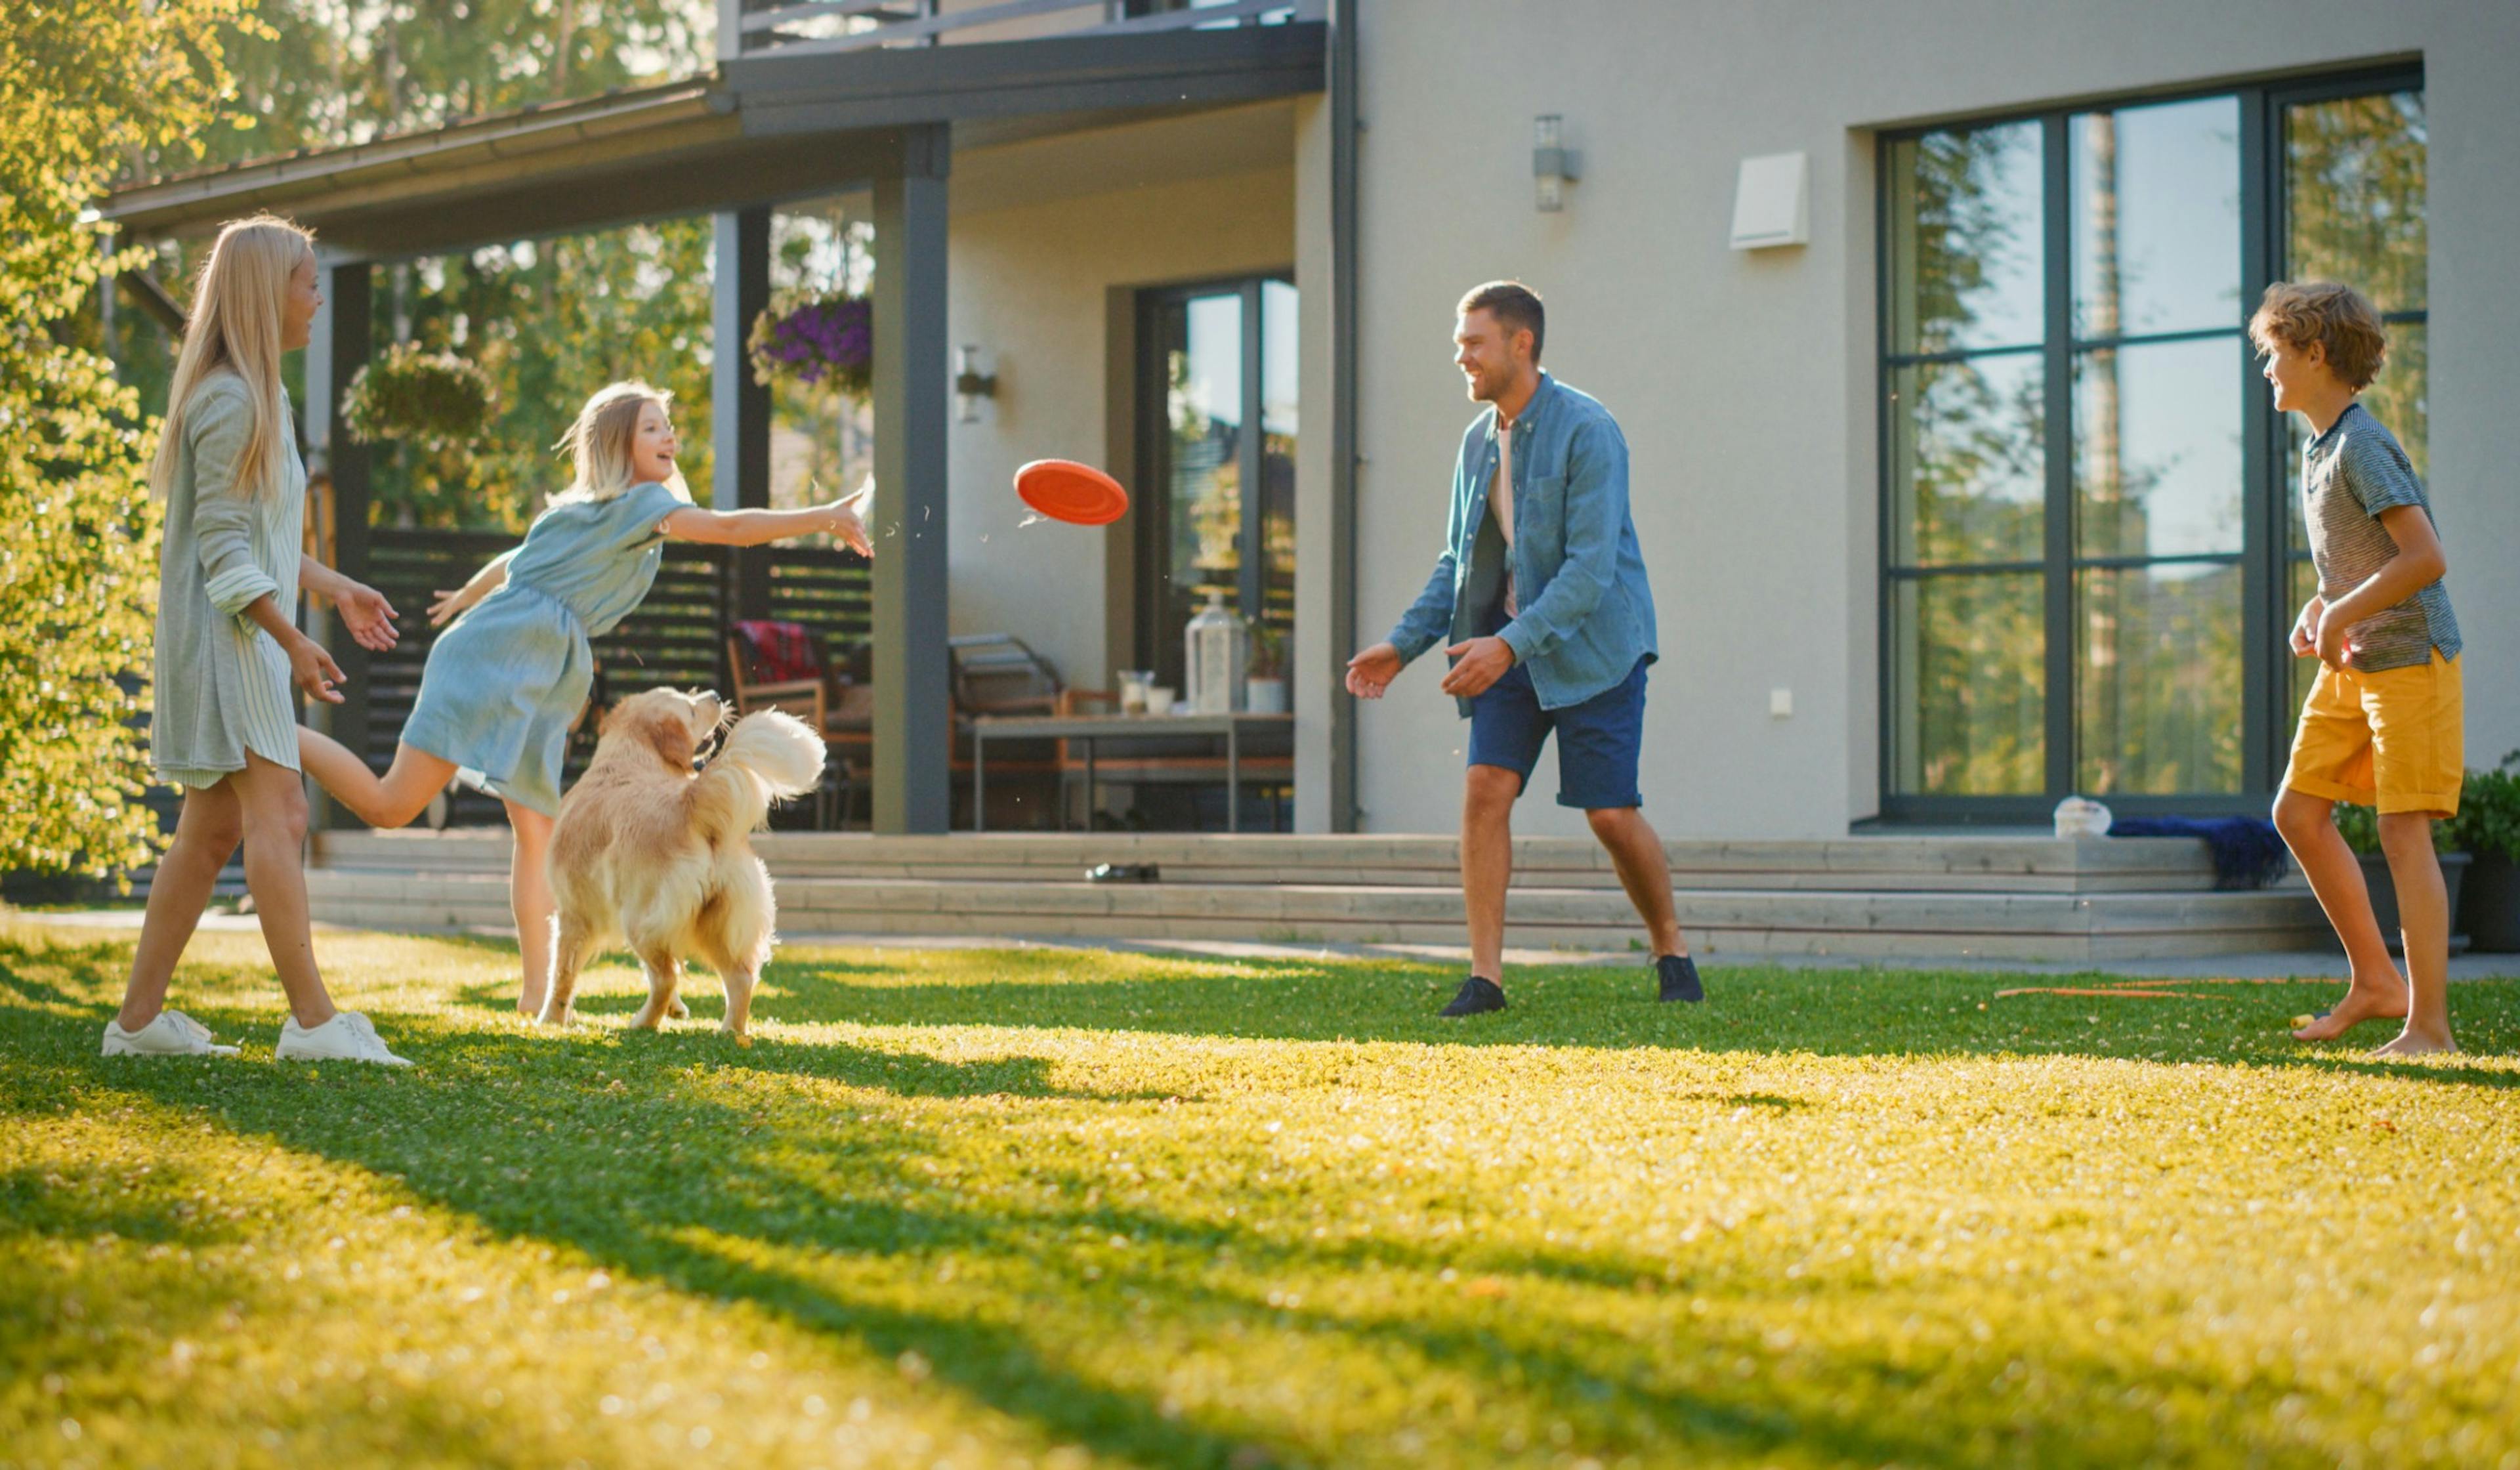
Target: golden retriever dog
648,849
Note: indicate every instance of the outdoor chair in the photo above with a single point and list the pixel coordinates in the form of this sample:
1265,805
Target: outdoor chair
999,674
786,666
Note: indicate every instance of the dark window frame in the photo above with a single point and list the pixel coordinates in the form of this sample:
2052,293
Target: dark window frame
2266,558
1149,545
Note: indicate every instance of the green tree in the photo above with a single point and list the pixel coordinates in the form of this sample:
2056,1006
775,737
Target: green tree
550,321
86,87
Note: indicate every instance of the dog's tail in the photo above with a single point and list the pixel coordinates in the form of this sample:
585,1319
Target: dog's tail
768,757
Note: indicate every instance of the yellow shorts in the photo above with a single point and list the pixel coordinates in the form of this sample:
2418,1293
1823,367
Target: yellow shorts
2394,739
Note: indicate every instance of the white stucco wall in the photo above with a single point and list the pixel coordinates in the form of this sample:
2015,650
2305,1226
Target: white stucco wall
1029,284
1745,382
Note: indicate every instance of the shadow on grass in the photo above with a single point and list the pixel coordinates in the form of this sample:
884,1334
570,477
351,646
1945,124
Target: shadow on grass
821,1215
740,1174
1750,1008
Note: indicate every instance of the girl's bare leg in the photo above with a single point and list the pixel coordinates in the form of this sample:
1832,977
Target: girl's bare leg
530,897
206,836
391,800
274,801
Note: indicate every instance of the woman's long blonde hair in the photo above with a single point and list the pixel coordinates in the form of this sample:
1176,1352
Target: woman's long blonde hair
598,443
233,327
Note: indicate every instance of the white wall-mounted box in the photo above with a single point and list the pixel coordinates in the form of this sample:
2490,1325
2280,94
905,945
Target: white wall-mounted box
1772,202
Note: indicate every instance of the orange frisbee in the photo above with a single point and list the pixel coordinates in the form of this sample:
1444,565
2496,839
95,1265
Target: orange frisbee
1078,494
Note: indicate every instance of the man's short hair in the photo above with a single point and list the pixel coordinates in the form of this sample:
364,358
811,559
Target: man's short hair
1515,306
2338,318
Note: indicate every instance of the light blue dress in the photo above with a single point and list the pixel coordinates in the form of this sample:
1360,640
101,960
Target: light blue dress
505,684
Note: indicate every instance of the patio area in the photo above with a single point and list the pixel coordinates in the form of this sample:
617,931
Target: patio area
960,132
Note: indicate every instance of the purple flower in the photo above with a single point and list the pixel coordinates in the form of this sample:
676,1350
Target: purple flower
813,337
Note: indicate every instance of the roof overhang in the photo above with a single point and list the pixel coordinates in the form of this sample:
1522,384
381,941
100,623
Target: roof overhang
761,130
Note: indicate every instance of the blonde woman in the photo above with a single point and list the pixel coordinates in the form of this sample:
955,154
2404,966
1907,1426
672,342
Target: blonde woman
227,654
503,686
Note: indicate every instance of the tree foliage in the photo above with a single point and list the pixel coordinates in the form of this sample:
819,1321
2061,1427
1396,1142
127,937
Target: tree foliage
85,87
548,321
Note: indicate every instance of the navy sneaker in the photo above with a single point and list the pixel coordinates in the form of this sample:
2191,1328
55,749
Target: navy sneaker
1477,995
1679,977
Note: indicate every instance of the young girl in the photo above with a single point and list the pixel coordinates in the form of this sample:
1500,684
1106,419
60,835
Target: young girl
228,573
503,686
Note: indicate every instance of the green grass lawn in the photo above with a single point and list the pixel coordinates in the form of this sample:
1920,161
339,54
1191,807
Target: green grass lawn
1072,1208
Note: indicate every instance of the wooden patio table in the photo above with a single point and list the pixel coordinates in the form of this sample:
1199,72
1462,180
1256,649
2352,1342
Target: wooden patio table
1090,728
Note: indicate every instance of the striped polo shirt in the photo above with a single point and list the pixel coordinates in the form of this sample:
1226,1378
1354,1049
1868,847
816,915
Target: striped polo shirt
2349,475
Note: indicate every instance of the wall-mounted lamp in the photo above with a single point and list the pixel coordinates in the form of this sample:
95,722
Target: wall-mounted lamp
970,385
1553,166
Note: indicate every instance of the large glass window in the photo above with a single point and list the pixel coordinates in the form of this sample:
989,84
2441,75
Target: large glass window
2354,211
1967,464
2086,572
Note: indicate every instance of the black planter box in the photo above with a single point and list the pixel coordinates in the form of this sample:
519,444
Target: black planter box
2490,904
2384,897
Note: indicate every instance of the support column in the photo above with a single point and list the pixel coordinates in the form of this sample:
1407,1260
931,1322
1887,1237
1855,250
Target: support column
1326,793
739,407
338,349
912,733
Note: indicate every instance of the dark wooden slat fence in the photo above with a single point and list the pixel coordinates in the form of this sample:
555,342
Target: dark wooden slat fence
677,637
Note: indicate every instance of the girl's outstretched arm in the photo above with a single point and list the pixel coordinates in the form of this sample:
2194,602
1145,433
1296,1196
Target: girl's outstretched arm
363,610
487,580
841,518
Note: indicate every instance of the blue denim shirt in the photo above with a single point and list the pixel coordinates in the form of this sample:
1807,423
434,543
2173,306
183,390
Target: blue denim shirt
1585,613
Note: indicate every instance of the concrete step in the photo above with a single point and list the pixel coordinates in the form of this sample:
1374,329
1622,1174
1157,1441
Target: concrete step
1887,924
1866,864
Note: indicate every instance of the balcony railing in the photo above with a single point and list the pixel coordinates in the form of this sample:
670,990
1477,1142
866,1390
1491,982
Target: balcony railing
802,27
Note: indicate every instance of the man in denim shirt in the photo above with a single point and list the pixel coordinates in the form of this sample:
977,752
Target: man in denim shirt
1541,600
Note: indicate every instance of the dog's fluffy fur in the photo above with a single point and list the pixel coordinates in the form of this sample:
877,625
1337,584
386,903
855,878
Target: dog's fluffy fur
647,849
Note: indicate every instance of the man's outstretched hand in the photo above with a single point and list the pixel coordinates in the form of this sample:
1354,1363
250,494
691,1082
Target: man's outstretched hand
1478,664
1370,672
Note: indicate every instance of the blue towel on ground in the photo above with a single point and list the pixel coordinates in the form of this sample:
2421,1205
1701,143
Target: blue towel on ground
2248,851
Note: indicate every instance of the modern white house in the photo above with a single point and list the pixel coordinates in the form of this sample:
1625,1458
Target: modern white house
1968,497
1955,476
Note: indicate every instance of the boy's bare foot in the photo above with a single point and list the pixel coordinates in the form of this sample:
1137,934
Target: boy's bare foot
2362,1002
2411,1043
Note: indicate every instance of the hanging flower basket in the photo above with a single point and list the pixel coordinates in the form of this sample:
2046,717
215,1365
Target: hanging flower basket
434,400
806,338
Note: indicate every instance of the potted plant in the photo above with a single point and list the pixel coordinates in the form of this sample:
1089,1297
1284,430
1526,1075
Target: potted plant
1263,682
2488,827
409,395
806,336
2361,829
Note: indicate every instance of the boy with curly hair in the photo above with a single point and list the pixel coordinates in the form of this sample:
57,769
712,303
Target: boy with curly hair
2382,726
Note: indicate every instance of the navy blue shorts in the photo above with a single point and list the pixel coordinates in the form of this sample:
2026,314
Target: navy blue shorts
1598,740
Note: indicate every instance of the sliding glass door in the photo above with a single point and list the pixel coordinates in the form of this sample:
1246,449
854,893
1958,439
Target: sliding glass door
1217,404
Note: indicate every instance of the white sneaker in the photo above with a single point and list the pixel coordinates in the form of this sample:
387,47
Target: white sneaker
171,1034
348,1037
